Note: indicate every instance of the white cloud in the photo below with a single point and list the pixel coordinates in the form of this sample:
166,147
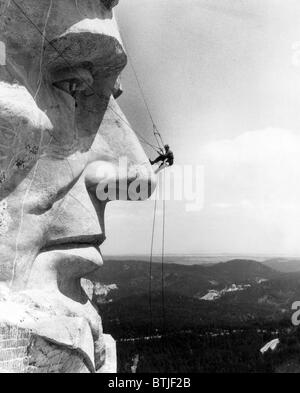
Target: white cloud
256,147
253,186
256,169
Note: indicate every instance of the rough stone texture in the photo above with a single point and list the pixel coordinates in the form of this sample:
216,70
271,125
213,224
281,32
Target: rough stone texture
45,357
23,352
14,344
62,135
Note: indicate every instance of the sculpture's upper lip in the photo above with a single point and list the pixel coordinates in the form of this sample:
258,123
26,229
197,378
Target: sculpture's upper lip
78,241
83,248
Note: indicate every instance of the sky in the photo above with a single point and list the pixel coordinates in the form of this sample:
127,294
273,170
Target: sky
222,80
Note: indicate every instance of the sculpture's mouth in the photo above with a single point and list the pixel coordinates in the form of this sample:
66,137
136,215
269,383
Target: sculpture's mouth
84,240
86,252
85,248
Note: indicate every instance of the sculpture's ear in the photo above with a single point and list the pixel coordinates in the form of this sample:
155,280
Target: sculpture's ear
109,4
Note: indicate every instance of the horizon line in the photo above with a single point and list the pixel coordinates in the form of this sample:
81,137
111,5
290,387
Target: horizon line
209,254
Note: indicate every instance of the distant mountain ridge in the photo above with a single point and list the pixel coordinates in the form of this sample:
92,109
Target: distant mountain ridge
285,265
132,277
282,263
244,270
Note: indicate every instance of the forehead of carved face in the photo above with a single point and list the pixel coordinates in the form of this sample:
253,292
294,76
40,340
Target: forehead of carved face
61,130
64,14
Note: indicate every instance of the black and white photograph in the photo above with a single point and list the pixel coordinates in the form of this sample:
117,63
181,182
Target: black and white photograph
149,189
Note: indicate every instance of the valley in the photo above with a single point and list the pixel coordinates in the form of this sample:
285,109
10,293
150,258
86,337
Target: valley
229,309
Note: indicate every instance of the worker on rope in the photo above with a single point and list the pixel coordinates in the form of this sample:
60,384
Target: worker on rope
166,158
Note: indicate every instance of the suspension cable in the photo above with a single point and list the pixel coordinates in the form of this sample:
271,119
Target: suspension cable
163,302
151,262
156,132
163,255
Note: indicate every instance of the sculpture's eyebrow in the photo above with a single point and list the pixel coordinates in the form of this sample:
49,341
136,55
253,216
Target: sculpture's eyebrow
85,49
109,4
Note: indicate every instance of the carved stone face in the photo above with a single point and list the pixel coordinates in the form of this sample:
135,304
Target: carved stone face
61,136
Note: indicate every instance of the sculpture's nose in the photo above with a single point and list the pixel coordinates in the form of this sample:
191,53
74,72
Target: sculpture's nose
121,181
118,168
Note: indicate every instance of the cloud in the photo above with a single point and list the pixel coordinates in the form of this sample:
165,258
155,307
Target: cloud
252,190
256,146
256,169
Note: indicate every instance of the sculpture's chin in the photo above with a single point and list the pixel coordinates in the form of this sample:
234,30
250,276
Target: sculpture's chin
45,342
55,283
55,308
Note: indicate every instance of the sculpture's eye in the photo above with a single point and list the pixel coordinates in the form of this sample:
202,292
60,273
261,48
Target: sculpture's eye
73,81
69,86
